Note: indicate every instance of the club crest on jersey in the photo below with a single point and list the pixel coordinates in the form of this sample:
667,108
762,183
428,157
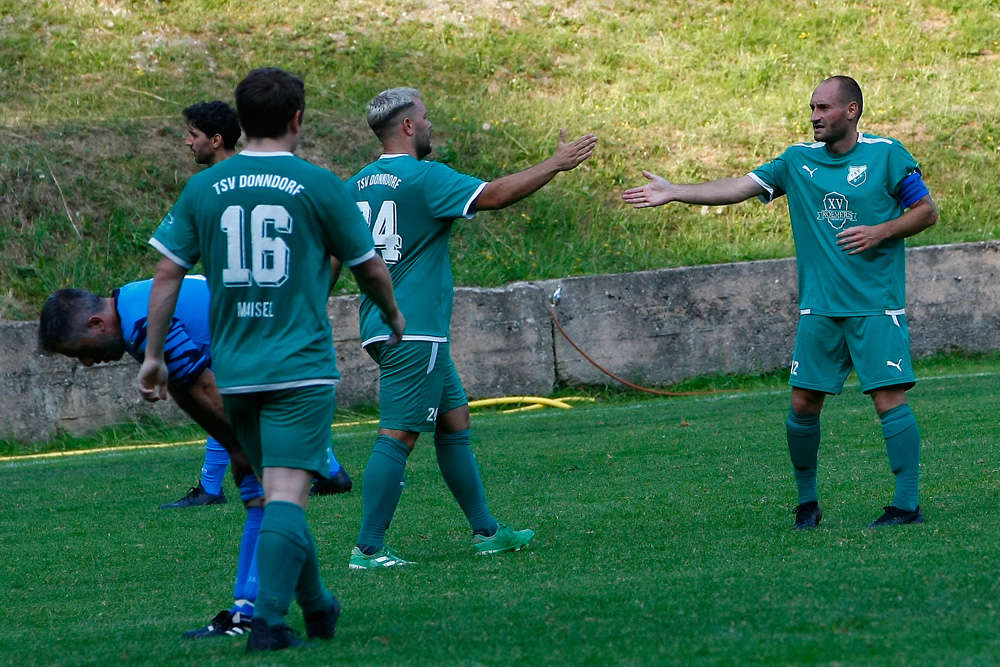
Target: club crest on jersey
857,175
836,210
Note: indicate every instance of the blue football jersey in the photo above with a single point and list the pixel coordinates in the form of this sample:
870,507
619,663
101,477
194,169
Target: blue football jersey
188,348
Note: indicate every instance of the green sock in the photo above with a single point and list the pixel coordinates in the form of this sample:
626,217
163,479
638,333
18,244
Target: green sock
281,552
461,474
902,442
310,592
382,489
803,446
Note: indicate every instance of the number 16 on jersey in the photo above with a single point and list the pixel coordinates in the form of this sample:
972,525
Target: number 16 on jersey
385,234
269,256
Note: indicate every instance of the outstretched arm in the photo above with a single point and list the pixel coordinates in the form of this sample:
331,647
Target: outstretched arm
374,280
660,191
514,187
916,219
162,301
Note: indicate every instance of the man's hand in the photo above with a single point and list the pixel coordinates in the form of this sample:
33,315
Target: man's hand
152,380
919,217
858,239
376,283
571,155
512,188
654,193
397,323
167,281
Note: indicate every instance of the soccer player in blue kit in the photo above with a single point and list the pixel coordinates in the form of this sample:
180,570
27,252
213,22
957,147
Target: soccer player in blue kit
92,329
853,198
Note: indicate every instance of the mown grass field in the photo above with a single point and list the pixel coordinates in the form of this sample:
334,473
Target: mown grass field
662,539
662,524
91,93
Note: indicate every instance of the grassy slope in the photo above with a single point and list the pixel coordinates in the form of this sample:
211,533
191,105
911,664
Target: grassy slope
90,95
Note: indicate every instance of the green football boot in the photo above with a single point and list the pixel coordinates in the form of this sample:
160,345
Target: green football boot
505,539
384,557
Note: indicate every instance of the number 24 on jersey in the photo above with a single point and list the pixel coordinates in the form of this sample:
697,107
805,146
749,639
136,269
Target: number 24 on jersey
385,234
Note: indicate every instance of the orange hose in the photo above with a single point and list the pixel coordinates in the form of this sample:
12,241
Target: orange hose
658,392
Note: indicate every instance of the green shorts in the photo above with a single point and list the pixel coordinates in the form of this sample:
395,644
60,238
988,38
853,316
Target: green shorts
876,346
289,428
417,381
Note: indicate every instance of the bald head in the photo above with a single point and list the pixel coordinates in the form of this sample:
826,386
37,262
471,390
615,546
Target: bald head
848,91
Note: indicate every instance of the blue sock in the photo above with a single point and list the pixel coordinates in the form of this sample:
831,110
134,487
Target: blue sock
251,488
214,469
334,463
245,590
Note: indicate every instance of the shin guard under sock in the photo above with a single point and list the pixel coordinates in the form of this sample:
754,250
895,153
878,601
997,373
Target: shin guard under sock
213,470
803,432
902,443
281,552
382,488
461,474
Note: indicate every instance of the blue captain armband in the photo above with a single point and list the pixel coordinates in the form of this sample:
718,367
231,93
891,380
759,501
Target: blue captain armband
912,190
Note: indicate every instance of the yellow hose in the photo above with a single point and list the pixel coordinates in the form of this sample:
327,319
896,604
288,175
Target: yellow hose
534,403
507,400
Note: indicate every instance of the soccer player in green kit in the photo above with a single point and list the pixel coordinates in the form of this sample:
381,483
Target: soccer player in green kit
265,225
410,205
852,199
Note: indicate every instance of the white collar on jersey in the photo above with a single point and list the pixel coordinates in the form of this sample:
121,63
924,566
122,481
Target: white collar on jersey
386,156
266,153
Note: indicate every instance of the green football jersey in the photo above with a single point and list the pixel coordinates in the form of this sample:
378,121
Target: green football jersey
264,226
829,193
410,206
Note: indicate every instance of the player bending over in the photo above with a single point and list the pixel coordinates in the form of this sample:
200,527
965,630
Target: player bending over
93,330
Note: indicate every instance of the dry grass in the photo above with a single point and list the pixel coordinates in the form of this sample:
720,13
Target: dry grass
694,91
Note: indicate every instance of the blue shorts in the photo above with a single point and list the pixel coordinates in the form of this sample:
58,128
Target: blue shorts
417,381
876,346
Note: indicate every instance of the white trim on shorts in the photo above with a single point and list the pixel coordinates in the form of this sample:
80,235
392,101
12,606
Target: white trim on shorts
434,357
278,386
381,338
894,314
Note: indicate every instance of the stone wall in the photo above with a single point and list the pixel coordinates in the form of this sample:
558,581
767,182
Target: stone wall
655,327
